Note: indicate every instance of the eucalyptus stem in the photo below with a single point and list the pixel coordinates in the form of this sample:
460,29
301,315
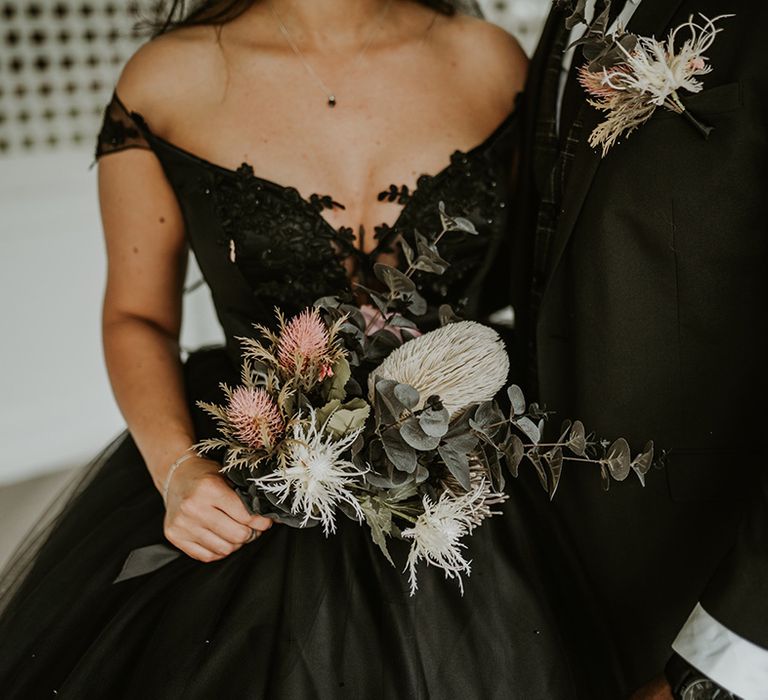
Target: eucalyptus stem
402,515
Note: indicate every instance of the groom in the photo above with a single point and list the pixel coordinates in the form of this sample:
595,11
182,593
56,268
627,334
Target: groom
642,304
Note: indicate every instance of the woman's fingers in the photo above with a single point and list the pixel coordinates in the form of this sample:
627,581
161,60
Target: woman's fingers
230,503
197,551
228,529
213,542
260,523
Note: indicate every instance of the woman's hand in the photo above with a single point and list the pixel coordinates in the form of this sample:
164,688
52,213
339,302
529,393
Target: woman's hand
204,517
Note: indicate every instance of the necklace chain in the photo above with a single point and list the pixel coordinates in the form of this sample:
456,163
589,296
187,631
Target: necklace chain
330,94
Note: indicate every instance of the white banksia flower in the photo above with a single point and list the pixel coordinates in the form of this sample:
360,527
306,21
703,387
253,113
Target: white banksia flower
462,363
438,531
313,476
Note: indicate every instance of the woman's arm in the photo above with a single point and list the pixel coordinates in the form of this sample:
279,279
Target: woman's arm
147,253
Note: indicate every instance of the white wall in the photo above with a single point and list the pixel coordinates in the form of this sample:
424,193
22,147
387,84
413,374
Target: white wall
56,407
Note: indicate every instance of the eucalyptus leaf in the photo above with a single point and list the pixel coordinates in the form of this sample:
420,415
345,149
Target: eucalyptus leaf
489,416
447,315
493,466
429,264
384,412
465,444
380,345
457,464
555,464
422,474
415,436
327,302
407,395
400,321
516,399
400,453
618,460
379,300
514,451
460,424
434,421
396,281
428,256
529,429
407,251
417,304
538,460
464,225
385,390
642,463
577,440
605,477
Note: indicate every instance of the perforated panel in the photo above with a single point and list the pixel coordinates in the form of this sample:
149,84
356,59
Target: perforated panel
58,63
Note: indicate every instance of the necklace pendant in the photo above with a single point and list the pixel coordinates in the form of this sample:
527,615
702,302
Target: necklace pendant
331,100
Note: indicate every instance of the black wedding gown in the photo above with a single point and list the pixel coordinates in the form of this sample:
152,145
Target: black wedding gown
294,614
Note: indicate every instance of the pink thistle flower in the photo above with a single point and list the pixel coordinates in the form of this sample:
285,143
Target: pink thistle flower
304,342
255,417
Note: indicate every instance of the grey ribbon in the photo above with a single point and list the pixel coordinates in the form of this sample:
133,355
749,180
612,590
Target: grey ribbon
145,560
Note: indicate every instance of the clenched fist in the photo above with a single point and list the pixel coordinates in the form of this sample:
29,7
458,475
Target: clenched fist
204,517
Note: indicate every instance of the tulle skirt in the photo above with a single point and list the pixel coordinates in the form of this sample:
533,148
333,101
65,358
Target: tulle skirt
292,615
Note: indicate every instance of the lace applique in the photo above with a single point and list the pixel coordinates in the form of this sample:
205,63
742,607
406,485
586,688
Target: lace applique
401,194
287,252
119,130
290,255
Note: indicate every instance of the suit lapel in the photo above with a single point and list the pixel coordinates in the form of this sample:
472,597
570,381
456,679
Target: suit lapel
652,17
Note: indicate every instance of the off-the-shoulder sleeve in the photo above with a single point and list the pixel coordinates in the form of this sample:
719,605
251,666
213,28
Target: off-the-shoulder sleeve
119,130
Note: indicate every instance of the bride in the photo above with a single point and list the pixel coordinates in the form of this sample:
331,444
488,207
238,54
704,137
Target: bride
291,144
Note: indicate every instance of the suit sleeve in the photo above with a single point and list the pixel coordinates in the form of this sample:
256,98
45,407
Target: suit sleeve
726,636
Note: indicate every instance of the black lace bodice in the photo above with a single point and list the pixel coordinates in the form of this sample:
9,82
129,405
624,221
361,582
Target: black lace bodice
260,244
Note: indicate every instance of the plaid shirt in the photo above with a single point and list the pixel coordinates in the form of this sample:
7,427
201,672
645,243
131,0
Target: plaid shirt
555,154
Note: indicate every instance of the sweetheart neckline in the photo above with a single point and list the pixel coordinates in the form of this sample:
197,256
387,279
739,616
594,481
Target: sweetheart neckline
139,119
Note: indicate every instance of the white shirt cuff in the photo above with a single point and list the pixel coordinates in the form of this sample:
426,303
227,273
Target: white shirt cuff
733,662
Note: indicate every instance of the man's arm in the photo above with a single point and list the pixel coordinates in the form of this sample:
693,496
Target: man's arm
726,636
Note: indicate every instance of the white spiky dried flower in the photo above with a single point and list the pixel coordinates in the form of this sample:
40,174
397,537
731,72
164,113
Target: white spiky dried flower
313,475
651,75
438,531
463,363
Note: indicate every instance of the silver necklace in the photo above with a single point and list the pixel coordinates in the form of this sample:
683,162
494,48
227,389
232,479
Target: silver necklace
329,94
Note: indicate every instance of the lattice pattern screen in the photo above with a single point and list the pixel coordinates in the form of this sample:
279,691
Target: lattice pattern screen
58,62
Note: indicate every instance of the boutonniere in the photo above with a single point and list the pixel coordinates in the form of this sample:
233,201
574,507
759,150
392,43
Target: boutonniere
628,76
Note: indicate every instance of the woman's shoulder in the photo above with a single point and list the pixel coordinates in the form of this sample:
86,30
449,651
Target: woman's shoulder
485,50
165,72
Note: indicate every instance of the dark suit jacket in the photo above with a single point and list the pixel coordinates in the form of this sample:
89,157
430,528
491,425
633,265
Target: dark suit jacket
653,326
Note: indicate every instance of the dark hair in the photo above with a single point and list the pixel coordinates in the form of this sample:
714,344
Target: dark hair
174,14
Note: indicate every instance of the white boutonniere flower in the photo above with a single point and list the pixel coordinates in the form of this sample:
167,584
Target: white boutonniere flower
642,74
